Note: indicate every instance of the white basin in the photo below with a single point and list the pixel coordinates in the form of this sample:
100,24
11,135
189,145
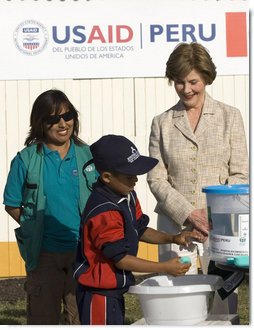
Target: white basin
182,300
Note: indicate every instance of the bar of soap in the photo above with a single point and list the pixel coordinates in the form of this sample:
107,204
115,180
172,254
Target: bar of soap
185,260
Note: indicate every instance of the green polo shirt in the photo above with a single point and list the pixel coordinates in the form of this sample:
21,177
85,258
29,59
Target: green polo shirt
61,186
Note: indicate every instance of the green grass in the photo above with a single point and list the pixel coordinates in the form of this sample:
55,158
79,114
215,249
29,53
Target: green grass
133,311
15,313
244,302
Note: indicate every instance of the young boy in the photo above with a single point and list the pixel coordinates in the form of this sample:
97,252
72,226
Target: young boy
113,224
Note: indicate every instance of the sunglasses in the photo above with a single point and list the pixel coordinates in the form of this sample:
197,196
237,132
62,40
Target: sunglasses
67,116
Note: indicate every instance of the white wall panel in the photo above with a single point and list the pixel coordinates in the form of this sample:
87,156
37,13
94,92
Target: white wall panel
129,107
108,108
84,110
140,105
96,109
24,104
151,97
122,115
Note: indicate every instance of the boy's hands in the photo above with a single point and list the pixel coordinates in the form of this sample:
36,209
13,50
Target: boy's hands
175,267
186,237
203,236
134,264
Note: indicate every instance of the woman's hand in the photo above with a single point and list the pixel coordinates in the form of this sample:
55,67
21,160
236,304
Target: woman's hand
198,219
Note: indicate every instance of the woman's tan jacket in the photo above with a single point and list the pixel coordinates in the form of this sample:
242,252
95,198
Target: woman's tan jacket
215,154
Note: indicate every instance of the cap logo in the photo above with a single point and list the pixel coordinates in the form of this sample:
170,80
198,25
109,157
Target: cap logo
135,154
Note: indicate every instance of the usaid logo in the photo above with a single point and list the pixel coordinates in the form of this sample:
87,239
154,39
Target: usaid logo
30,37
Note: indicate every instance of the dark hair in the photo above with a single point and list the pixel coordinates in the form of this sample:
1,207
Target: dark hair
187,57
47,103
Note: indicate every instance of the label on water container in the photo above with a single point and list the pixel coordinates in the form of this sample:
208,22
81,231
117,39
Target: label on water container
222,247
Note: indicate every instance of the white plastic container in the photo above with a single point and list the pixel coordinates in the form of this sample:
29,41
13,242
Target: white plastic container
228,214
183,300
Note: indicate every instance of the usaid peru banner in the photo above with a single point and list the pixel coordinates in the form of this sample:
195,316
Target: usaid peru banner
117,38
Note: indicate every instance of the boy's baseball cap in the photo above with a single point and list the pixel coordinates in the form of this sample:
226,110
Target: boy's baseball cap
118,154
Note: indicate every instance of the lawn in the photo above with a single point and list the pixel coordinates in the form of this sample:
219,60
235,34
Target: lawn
13,312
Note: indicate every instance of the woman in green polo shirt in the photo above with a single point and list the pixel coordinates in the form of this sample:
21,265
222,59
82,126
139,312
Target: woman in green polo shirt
46,190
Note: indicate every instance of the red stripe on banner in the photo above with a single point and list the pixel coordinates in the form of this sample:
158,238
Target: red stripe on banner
236,34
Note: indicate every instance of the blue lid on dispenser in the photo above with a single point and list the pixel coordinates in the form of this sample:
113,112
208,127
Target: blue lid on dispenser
235,189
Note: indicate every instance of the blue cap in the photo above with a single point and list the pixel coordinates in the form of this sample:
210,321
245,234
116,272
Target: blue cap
234,189
118,154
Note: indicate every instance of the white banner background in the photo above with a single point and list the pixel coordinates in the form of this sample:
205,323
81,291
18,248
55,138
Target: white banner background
78,39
